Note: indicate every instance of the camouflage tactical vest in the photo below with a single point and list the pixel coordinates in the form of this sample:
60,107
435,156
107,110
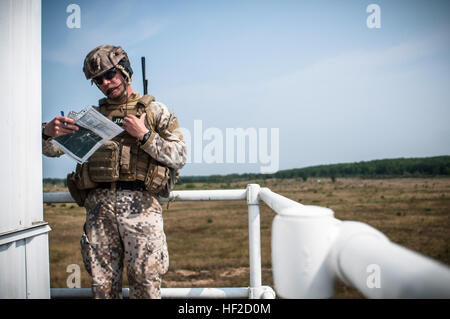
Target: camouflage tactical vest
122,159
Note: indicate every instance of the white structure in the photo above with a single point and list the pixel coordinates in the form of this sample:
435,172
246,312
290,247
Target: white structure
24,257
310,251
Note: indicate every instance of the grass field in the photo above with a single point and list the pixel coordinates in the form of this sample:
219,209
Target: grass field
208,241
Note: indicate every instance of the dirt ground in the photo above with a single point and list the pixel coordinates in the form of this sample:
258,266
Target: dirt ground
208,241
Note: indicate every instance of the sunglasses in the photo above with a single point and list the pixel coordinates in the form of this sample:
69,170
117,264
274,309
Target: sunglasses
107,75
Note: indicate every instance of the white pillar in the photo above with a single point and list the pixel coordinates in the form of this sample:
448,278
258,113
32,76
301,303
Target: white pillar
300,245
24,262
301,239
254,238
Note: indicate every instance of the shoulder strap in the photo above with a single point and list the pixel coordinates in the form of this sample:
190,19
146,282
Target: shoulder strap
144,103
101,105
146,100
102,101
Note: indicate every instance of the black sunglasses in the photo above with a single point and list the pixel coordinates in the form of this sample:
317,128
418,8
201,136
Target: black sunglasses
107,75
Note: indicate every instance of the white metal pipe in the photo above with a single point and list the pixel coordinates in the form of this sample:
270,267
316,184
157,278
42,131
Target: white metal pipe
254,245
365,259
278,203
179,196
267,293
166,293
205,293
209,195
58,198
287,207
254,235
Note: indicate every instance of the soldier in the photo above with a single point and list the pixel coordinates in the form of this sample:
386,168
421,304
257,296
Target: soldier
120,183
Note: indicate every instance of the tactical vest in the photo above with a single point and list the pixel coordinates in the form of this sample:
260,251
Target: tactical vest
122,159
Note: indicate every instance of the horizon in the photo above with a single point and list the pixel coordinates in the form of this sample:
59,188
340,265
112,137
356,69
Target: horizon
296,168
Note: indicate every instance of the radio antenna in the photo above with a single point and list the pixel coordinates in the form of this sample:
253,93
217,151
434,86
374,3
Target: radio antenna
144,80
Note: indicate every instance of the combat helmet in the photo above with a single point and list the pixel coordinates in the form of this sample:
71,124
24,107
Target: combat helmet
105,57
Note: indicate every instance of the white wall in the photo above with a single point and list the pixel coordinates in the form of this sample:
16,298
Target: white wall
21,212
20,87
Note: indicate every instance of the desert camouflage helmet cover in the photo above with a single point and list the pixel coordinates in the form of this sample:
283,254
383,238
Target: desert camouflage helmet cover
101,59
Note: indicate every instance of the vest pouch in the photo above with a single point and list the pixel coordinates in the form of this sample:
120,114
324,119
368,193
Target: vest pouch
81,177
128,161
79,195
104,163
156,179
171,181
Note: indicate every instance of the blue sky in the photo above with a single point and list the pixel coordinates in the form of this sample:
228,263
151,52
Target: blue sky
336,90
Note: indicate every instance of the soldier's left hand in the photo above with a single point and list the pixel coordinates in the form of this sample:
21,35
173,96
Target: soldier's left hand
135,126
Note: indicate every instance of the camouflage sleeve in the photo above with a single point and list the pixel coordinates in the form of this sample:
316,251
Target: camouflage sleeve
165,144
51,150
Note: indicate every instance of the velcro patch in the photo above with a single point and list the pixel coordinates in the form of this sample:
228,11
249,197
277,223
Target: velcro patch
118,120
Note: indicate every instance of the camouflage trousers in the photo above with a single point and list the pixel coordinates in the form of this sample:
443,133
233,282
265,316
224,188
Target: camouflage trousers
125,225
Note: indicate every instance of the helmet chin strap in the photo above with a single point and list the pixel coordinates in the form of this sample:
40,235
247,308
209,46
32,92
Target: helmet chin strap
126,93
126,83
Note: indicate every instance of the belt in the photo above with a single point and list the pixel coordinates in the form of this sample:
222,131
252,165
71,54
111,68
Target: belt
133,185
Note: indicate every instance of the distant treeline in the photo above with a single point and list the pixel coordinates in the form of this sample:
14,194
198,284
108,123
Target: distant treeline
55,181
398,167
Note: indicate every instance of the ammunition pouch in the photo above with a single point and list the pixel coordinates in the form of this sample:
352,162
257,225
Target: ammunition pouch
115,161
104,163
81,178
128,162
173,178
79,184
157,177
77,194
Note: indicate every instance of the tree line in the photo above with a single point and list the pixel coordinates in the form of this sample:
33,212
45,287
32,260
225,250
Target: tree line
398,167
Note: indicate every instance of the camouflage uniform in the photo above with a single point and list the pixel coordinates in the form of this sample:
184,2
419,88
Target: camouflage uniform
128,224
124,224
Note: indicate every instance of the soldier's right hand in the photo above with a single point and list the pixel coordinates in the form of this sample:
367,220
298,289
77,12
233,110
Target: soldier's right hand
60,125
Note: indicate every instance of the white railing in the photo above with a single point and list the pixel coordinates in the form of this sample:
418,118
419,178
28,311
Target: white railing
255,291
310,250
